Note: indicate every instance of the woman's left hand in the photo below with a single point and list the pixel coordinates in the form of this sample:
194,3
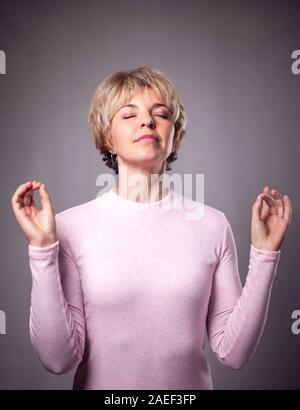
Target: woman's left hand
271,216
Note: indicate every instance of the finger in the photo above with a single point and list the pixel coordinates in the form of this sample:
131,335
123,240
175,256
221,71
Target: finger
17,198
262,210
279,202
27,196
271,203
29,192
265,210
28,199
287,216
267,194
20,191
264,207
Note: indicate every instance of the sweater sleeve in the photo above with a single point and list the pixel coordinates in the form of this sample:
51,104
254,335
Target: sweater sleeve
236,316
57,323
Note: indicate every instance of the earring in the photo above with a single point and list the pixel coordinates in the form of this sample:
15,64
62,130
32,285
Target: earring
114,159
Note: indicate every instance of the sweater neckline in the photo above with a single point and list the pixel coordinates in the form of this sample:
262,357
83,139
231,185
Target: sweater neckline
125,203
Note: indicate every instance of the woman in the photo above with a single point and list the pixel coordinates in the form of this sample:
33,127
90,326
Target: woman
126,288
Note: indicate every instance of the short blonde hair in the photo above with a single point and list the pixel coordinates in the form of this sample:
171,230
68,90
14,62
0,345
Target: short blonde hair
115,90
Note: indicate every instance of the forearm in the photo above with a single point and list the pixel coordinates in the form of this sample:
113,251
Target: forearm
52,326
245,324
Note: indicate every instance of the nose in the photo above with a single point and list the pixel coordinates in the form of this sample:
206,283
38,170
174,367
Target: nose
148,122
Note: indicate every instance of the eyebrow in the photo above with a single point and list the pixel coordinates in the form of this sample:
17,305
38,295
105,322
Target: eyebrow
153,106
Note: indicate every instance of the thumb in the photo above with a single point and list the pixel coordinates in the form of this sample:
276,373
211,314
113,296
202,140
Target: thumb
257,207
45,198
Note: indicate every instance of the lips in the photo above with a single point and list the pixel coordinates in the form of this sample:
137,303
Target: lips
148,136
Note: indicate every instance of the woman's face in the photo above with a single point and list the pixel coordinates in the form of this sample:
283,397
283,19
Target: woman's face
145,117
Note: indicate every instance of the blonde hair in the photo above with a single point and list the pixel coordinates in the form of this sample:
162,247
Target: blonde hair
115,90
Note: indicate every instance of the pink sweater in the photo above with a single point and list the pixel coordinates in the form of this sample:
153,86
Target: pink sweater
129,290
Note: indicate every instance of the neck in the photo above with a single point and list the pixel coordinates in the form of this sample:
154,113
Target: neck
141,184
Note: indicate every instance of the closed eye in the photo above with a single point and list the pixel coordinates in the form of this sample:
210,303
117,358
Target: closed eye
163,116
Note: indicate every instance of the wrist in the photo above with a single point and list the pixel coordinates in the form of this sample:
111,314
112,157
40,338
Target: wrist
44,243
264,248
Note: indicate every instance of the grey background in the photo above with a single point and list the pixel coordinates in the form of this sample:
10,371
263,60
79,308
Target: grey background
231,63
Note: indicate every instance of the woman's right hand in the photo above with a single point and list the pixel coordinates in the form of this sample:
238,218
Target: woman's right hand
38,225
